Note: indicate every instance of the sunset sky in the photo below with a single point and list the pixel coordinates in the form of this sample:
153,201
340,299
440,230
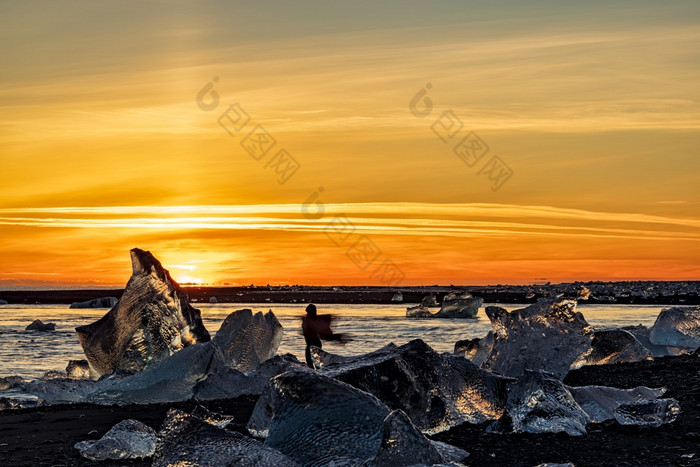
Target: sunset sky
593,107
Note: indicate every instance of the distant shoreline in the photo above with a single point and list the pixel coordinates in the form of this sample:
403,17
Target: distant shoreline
649,292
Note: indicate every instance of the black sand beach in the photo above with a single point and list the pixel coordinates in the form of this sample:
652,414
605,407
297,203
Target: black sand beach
46,436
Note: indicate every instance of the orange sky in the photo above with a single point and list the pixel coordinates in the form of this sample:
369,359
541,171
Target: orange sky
103,146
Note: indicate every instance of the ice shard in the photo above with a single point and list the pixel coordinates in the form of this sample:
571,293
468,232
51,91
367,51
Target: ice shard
548,335
152,320
128,439
540,403
613,346
601,403
677,327
437,391
189,440
104,302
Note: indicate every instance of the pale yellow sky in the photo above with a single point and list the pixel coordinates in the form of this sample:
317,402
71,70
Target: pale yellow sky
593,107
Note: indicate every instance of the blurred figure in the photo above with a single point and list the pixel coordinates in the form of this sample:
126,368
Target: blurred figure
316,328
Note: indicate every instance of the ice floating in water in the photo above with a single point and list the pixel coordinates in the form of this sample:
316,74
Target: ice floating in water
128,439
548,335
613,346
459,306
540,403
419,311
189,440
677,327
105,302
152,321
436,391
320,421
37,325
628,406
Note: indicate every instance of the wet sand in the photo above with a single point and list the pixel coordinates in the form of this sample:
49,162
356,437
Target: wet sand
46,436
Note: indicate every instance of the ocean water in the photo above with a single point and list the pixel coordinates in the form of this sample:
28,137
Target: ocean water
29,353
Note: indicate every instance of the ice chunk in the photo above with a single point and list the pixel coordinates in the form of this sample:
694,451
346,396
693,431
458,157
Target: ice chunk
152,321
419,311
128,439
613,346
225,383
397,298
475,350
105,302
642,334
648,413
459,306
243,341
601,402
540,403
548,335
169,380
3,302
37,325
189,440
320,421
246,340
59,390
436,391
677,327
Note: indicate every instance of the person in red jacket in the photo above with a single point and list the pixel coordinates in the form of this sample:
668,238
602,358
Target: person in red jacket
317,328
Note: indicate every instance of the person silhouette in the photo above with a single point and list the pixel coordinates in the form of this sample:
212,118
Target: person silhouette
317,327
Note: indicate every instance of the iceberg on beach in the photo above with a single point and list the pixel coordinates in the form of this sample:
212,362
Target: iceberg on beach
613,346
437,391
539,402
637,406
152,321
677,327
548,335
